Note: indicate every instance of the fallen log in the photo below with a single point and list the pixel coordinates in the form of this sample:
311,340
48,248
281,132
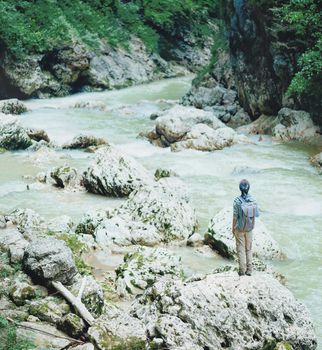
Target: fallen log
76,302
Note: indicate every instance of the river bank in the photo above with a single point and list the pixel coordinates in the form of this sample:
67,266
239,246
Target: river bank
283,181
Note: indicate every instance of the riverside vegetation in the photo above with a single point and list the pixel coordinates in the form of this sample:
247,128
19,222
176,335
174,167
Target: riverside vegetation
115,206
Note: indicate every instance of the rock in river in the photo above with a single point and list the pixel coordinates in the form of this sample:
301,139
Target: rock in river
84,141
115,174
220,237
12,135
12,106
187,127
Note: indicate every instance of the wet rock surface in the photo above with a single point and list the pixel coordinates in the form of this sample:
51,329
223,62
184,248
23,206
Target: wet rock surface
12,106
184,127
12,135
84,141
288,125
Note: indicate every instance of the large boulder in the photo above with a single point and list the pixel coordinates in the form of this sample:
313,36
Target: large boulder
49,309
38,135
143,267
151,215
187,127
27,221
13,241
115,174
169,213
288,125
47,259
117,329
119,231
220,237
12,106
295,125
203,138
176,122
65,177
84,141
317,161
224,311
12,135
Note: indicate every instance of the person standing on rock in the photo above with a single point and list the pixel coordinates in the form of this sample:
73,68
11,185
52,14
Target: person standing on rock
245,211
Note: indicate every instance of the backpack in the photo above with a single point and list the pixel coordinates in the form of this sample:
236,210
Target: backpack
248,210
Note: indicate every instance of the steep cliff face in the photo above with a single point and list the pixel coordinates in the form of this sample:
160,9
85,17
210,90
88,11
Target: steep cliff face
274,51
262,66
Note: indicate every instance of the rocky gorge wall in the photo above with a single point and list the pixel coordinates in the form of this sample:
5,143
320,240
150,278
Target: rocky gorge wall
259,63
73,68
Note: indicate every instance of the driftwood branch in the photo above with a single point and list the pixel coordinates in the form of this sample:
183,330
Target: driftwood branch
76,302
72,340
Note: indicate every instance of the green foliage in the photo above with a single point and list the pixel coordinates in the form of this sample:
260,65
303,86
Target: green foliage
220,45
36,26
9,339
78,248
305,19
301,20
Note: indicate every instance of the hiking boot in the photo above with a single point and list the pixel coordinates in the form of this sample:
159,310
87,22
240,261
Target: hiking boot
248,273
240,273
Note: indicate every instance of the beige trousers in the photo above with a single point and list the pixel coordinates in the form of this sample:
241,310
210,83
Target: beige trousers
244,250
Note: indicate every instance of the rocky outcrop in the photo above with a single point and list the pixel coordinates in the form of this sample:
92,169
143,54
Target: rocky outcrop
317,161
74,66
66,177
48,259
12,106
114,174
38,135
27,221
84,141
151,215
295,125
220,238
13,241
288,125
118,329
187,127
224,311
144,267
49,309
12,135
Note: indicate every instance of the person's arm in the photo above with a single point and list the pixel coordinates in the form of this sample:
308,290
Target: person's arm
234,223
234,218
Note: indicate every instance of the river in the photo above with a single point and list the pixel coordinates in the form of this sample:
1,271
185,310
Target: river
287,188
